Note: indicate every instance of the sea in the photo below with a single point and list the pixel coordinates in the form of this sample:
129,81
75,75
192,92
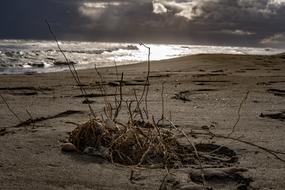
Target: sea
31,56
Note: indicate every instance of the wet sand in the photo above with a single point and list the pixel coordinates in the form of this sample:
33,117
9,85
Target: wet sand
201,93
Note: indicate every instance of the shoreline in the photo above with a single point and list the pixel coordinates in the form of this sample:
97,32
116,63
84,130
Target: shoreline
200,91
155,61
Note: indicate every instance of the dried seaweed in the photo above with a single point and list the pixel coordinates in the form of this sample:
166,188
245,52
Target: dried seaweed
144,144
137,143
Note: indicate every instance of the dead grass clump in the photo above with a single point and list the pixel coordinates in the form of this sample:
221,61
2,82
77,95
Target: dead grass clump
136,143
145,144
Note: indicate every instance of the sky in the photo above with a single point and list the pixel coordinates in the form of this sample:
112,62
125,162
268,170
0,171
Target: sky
200,22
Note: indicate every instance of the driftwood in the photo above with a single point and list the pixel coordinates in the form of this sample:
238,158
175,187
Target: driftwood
39,119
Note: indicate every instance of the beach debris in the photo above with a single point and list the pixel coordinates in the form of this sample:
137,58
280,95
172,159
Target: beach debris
263,83
205,127
39,119
211,81
277,92
37,64
218,71
208,75
159,76
87,101
280,115
27,88
117,83
183,95
114,83
92,95
63,63
205,90
136,82
68,147
24,93
4,131
143,144
128,145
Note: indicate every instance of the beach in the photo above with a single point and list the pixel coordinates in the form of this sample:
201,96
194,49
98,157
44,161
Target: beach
240,95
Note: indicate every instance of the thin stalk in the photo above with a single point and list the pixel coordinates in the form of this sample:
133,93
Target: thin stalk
72,69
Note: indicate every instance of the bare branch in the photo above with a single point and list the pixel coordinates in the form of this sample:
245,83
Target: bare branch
146,86
104,93
138,105
71,69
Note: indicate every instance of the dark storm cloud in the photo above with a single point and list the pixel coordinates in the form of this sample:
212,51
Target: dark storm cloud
221,22
243,22
130,20
25,18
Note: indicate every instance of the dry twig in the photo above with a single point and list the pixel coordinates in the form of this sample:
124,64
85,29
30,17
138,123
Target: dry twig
118,107
238,113
195,151
146,86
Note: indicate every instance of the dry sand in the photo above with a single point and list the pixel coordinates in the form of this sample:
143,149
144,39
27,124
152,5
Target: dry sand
212,88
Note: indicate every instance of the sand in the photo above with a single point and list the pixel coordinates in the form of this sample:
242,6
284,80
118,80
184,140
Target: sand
201,92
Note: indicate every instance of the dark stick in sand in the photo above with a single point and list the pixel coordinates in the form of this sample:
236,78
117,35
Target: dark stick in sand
238,113
71,69
146,86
